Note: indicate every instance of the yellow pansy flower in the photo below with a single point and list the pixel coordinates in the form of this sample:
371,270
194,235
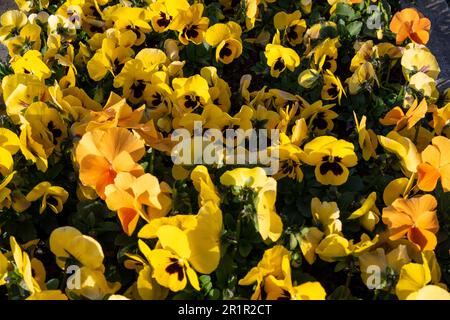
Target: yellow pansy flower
292,25
270,264
9,145
279,58
28,5
132,24
332,158
413,283
190,24
171,270
93,285
108,58
309,240
49,194
332,87
389,263
227,38
20,91
58,25
204,185
326,214
22,265
163,12
279,289
3,269
31,63
212,117
333,247
397,188
191,93
423,83
11,23
42,133
67,242
29,38
368,214
183,251
404,149
289,156
419,59
270,225
172,264
320,117
363,76
325,55
363,54
219,90
367,138
133,80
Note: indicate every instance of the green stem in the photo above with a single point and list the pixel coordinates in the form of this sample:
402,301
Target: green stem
416,135
151,161
238,227
377,293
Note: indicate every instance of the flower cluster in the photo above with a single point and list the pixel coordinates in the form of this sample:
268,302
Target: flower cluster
92,205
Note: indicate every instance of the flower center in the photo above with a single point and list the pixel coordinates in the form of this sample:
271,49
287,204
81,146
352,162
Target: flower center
331,163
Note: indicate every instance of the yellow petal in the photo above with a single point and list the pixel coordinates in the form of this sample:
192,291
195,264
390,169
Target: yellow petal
175,240
204,240
87,251
413,277
59,240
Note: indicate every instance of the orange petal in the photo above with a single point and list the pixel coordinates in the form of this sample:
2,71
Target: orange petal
425,239
397,222
416,112
445,177
420,37
428,221
409,15
129,219
392,117
428,177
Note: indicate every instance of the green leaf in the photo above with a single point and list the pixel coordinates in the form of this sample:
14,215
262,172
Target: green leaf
183,296
52,284
328,32
245,248
343,9
292,241
214,294
204,279
354,28
341,293
341,265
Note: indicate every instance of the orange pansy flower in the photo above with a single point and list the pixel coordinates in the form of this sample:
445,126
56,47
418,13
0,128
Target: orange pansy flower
410,23
101,154
435,164
416,218
135,197
401,120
